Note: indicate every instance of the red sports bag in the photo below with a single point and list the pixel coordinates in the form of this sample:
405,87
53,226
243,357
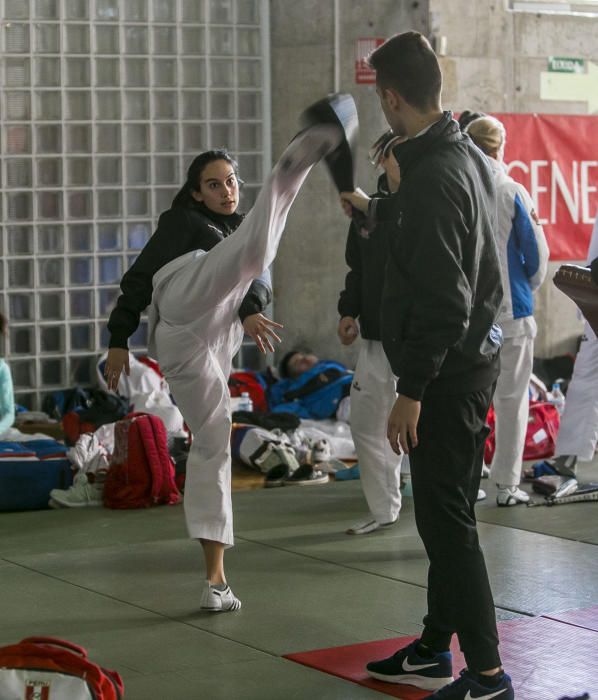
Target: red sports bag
44,668
250,382
73,427
542,428
141,473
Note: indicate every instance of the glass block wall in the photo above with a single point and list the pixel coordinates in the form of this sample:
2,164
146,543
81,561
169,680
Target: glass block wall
103,104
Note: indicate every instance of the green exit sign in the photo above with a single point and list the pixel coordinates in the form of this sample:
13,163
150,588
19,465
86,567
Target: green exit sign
557,64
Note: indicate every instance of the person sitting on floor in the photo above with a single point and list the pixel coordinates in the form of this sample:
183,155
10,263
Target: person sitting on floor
7,398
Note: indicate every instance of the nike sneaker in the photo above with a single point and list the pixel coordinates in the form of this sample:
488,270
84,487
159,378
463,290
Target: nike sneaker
408,667
466,687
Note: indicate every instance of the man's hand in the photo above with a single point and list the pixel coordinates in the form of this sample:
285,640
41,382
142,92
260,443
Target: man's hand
118,359
402,424
261,329
358,199
347,330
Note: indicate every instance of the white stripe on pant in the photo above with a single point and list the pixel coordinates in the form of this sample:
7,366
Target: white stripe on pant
511,406
195,332
373,393
578,431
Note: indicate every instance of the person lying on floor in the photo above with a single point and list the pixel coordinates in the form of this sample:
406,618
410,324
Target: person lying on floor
310,387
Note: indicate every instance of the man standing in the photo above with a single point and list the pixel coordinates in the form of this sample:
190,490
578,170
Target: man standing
442,295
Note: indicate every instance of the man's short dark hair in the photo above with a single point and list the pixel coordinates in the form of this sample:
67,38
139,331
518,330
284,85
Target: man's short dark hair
407,63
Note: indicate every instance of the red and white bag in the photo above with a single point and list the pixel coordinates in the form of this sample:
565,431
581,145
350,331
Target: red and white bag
542,428
47,668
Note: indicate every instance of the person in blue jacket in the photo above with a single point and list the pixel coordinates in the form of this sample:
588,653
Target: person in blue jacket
523,256
309,387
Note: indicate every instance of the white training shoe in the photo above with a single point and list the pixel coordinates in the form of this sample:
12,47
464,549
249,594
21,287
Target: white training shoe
510,496
481,495
82,493
214,600
485,471
363,527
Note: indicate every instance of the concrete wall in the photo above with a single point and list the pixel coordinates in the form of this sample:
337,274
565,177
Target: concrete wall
493,62
309,270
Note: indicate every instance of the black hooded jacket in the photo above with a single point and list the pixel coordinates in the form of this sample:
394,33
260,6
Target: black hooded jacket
180,231
366,256
443,287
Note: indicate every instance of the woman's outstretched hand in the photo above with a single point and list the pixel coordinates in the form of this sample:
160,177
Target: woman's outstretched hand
118,359
261,329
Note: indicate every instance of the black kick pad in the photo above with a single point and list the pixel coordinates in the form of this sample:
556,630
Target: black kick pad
338,108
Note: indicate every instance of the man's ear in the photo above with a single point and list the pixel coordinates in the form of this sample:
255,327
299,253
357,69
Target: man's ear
392,98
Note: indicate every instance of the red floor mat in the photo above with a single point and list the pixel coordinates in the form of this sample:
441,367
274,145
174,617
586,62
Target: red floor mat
546,659
581,617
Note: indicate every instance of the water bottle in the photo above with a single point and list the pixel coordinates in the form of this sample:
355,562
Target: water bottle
246,404
557,398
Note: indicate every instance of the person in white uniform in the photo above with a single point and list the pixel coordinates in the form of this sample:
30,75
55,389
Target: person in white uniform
373,391
195,331
578,431
523,255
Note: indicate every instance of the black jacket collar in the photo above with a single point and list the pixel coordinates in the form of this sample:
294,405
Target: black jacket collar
409,152
227,223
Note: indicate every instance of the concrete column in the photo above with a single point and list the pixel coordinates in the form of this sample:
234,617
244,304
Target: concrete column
310,268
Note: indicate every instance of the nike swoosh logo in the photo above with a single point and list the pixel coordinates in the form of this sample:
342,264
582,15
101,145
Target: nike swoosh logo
416,667
469,696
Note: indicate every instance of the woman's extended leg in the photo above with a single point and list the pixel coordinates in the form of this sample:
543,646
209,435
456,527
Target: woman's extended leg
223,274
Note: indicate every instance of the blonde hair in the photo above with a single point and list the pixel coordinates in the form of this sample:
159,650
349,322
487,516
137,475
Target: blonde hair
488,134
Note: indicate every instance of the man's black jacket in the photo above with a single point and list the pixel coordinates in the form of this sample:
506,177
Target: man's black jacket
180,231
366,256
442,289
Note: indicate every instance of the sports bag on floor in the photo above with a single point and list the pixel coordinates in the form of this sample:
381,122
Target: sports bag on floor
46,668
59,403
542,428
141,473
253,384
102,408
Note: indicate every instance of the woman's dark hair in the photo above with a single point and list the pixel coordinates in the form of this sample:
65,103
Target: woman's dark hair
3,324
184,197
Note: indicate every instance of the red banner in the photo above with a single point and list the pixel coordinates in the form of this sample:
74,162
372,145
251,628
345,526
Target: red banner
556,158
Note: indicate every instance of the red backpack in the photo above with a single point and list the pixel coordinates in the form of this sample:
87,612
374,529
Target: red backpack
42,668
141,473
542,428
240,382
